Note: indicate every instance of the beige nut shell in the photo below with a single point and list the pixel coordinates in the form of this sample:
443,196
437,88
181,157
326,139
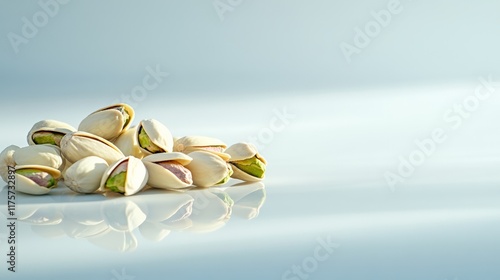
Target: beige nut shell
6,160
137,175
46,155
85,175
107,122
26,185
78,145
162,178
128,143
242,151
207,168
159,134
50,126
189,144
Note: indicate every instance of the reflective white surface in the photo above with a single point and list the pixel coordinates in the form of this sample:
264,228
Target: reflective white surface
325,185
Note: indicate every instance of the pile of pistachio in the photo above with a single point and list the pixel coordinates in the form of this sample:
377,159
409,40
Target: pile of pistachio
107,154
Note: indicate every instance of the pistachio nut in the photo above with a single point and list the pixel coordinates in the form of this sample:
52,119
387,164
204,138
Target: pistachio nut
188,144
46,155
167,171
128,143
126,176
6,160
36,179
248,165
78,145
85,175
208,169
108,122
48,132
154,137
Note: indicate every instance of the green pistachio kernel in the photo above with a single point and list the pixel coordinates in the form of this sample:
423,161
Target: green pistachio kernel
46,137
116,183
146,143
252,166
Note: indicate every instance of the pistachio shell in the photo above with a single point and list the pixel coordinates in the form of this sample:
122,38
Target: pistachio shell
129,145
158,134
188,144
108,122
136,178
243,151
78,145
162,178
6,160
85,175
207,168
26,185
46,155
49,126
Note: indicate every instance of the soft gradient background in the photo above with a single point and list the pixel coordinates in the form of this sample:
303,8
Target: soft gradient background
349,125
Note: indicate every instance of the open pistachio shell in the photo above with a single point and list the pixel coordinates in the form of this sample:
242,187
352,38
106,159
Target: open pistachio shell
154,137
127,176
128,143
6,160
245,154
46,178
161,177
108,122
46,155
48,132
208,169
78,145
188,144
85,175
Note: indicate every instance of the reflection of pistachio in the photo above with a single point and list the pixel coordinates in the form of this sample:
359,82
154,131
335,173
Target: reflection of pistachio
248,164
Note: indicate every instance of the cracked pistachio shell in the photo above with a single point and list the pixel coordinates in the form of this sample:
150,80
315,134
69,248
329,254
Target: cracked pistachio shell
49,126
108,122
162,178
85,175
46,155
207,169
159,135
26,185
129,145
6,160
243,151
188,144
136,177
78,145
